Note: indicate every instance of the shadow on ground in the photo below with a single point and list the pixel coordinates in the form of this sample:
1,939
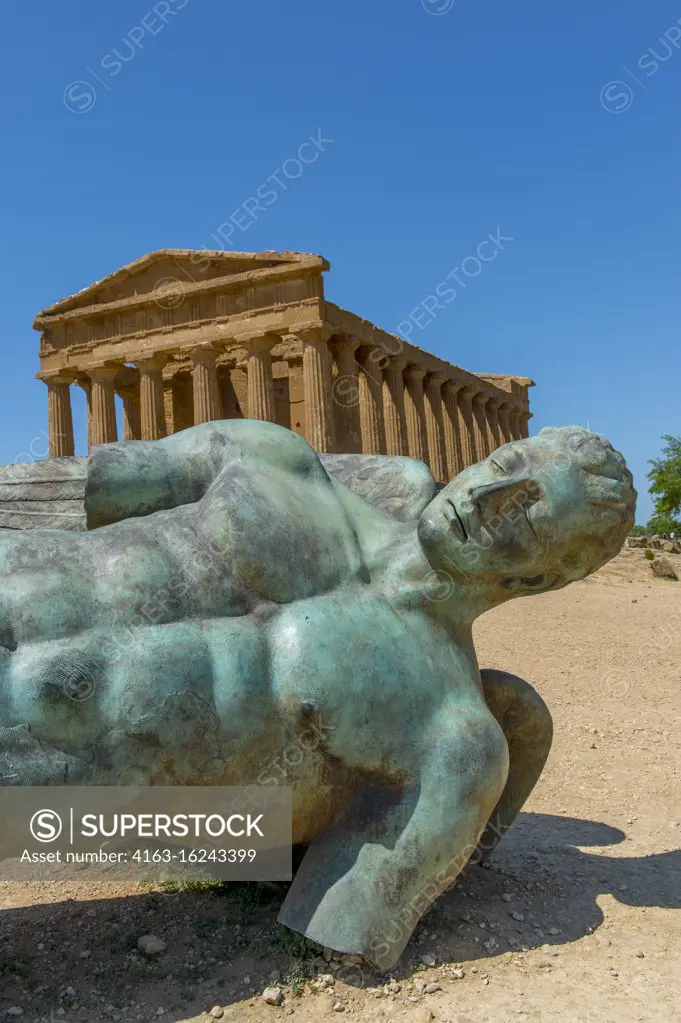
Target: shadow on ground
79,954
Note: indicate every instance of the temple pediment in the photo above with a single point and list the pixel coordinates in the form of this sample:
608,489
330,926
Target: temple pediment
185,268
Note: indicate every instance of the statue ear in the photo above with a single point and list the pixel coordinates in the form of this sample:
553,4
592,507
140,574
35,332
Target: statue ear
532,584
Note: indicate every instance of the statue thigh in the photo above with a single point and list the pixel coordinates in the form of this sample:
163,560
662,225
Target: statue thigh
527,725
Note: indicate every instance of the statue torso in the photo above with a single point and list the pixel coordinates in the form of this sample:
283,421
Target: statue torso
240,640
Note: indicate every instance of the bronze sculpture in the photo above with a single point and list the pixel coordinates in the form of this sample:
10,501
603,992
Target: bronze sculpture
236,590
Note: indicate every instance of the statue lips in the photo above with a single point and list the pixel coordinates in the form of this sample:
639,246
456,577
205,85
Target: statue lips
456,521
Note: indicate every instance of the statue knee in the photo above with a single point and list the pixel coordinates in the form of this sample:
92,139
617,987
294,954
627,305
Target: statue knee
479,758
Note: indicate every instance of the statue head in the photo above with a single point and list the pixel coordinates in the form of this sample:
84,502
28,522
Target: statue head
533,516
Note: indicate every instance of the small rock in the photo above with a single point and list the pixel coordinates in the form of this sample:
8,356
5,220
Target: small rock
160,1011
149,945
428,960
217,1012
554,930
640,955
520,917
458,974
430,989
663,567
327,953
15,1010
338,1007
273,996
506,897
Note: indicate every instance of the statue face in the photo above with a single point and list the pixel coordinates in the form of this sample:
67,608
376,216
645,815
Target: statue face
506,521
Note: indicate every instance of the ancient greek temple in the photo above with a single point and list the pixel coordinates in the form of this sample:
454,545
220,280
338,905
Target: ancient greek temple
185,337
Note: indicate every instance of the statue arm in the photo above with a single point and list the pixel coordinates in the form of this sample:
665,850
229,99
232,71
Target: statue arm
136,478
365,882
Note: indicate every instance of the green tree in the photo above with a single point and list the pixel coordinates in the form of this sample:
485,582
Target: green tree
665,481
663,524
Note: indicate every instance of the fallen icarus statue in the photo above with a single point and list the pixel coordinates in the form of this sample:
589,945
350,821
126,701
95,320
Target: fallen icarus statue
236,593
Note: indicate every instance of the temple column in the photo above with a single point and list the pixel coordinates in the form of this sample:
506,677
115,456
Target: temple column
345,391
104,428
482,442
259,368
434,426
152,405
505,434
394,413
492,416
207,404
515,423
59,416
371,361
415,413
319,417
524,420
450,428
132,421
467,430
86,386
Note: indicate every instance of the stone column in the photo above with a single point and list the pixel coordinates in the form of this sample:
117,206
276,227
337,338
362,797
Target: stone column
152,406
492,415
482,444
205,380
515,423
345,392
132,422
505,434
394,413
86,385
524,419
434,426
415,413
319,416
467,430
371,362
450,428
104,428
59,417
259,369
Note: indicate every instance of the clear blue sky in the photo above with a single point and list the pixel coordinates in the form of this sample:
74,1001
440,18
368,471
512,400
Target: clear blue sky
445,127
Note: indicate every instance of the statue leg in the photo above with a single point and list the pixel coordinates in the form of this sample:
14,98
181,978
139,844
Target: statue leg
366,881
526,722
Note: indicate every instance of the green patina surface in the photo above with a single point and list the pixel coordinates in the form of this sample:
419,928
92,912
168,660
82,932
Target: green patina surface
236,598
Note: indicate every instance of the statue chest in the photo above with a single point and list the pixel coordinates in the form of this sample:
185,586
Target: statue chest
372,677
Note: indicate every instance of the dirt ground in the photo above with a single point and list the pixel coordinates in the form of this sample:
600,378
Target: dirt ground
575,920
